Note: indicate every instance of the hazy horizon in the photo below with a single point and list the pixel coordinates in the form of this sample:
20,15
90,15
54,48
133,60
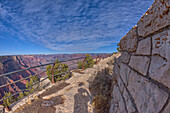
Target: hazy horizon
53,54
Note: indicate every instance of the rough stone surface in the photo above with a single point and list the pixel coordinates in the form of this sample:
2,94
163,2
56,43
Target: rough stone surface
146,94
116,69
144,47
125,57
160,70
129,41
160,66
156,63
161,44
129,105
155,18
118,105
121,85
140,64
167,109
124,73
117,60
145,79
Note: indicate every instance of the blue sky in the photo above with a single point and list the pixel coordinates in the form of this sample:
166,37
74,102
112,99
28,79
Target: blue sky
66,26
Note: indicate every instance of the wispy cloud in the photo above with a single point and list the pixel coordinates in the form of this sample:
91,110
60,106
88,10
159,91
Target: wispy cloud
70,25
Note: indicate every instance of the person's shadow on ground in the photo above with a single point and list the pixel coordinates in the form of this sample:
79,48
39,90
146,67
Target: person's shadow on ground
80,101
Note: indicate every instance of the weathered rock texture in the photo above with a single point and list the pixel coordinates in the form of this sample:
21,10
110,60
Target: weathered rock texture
142,73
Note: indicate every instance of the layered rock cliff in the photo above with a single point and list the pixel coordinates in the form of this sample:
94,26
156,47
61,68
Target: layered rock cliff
12,63
142,73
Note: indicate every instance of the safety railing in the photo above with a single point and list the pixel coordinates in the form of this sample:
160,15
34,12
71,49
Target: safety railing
6,74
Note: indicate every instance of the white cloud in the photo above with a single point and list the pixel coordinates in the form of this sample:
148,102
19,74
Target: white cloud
68,25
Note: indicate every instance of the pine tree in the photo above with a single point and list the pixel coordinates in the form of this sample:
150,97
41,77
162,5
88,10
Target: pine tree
35,79
88,63
29,84
80,64
9,100
89,60
21,95
58,70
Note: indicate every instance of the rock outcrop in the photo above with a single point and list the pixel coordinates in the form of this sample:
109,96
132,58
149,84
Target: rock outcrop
142,73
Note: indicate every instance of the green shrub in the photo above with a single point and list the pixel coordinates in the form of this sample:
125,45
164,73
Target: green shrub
88,63
33,80
58,70
9,100
21,95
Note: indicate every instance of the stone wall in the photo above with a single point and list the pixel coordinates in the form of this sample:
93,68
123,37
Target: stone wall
141,81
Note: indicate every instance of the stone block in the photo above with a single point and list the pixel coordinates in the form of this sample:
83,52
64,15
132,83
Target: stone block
129,105
156,17
124,73
160,64
120,84
161,44
140,64
116,69
117,103
129,41
144,47
160,70
125,57
148,97
118,60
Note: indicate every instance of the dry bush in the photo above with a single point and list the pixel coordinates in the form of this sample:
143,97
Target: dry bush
100,85
100,88
99,103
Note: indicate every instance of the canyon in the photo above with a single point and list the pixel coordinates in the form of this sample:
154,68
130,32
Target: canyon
134,81
17,62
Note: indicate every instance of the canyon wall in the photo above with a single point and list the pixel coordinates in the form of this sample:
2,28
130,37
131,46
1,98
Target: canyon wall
12,63
141,82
